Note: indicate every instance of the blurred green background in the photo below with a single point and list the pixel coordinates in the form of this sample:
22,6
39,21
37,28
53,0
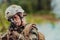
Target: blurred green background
38,11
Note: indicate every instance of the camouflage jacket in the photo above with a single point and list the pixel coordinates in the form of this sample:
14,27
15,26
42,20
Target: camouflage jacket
27,33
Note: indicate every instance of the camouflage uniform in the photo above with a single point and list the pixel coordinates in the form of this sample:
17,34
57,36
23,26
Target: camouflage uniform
33,35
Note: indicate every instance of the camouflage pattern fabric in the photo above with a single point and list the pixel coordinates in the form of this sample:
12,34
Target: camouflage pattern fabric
29,33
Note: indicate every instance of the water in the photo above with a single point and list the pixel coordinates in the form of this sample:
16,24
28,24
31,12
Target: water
55,6
51,32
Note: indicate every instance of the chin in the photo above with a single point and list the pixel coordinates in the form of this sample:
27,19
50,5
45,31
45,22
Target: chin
17,25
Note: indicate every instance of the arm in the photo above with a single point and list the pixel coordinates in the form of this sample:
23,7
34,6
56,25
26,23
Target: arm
37,34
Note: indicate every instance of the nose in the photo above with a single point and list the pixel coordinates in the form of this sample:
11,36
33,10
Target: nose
15,21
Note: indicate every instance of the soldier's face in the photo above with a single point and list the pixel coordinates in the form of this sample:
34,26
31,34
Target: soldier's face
17,20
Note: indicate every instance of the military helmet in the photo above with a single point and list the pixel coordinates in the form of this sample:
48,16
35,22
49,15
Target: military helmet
12,10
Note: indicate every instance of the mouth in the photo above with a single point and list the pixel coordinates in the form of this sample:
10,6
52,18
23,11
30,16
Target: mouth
17,23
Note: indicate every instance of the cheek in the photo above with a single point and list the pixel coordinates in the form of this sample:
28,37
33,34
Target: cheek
19,20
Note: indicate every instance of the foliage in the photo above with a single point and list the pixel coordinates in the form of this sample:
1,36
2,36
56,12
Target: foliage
31,6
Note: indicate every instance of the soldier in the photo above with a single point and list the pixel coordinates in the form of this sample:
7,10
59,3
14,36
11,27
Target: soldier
18,29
